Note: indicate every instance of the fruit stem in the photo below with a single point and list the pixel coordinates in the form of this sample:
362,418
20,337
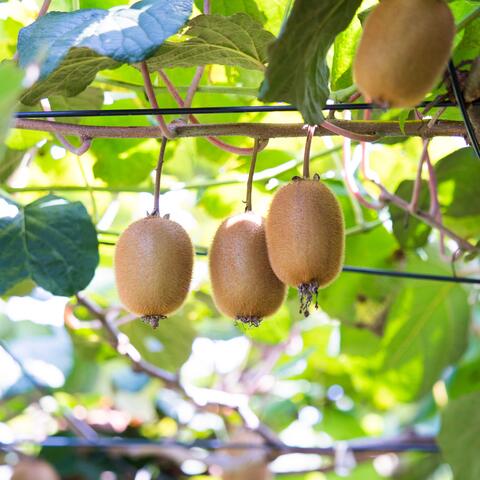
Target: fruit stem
248,201
308,144
158,176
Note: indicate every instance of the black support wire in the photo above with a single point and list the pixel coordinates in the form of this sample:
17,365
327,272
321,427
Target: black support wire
206,110
361,446
457,90
411,275
375,271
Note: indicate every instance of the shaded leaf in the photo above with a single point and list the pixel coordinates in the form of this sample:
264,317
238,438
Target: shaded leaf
297,72
458,186
458,438
427,328
75,72
237,41
51,241
408,230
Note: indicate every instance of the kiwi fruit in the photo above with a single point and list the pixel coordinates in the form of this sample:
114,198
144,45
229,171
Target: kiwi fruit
403,51
251,464
33,469
153,267
243,283
305,237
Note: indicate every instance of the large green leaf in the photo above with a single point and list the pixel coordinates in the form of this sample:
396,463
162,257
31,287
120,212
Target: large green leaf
297,72
458,186
409,231
125,34
51,241
459,191
75,72
427,328
214,39
459,436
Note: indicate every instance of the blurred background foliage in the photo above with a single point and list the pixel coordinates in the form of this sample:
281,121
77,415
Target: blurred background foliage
381,356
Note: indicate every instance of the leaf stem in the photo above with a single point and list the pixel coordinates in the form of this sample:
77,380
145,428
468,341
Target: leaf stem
166,132
417,186
44,8
248,202
213,140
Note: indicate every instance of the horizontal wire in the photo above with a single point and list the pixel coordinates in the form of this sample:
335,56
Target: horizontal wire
206,110
374,271
426,445
411,275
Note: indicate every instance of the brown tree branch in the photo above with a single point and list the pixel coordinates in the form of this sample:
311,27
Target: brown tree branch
254,130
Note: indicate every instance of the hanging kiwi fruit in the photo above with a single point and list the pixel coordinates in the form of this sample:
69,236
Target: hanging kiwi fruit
154,262
305,234
403,51
243,283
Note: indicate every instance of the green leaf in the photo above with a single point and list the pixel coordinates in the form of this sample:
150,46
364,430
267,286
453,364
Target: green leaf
409,231
427,328
11,80
127,35
229,7
51,241
124,162
10,161
297,72
238,41
458,438
75,72
465,379
169,346
89,99
458,186
345,46
363,297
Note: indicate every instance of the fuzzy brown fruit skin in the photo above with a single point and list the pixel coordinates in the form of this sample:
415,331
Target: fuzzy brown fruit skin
243,283
305,234
403,51
34,470
153,267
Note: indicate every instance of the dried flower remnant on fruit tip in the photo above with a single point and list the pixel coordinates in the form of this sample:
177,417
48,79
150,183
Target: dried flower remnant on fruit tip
306,292
153,320
251,321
